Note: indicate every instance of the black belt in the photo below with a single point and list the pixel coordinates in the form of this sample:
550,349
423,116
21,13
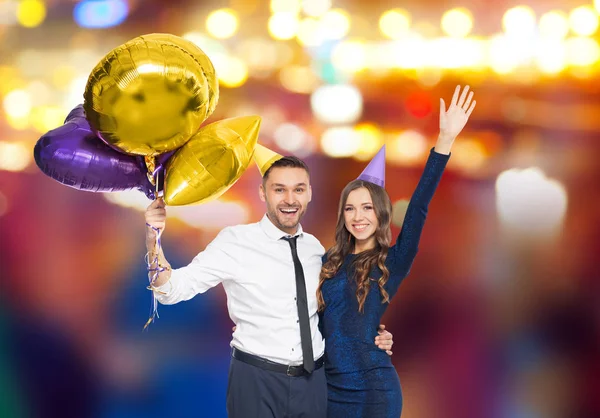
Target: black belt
253,360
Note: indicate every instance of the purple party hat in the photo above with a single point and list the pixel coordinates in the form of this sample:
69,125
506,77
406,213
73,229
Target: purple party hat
375,171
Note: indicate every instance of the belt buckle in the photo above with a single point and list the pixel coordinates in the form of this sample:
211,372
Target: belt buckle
289,370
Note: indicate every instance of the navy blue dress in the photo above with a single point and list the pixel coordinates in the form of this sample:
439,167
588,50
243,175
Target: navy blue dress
361,379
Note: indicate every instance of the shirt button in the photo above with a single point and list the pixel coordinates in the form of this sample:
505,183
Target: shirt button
292,349
294,298
297,320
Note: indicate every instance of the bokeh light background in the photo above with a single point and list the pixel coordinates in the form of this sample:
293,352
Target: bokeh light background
500,316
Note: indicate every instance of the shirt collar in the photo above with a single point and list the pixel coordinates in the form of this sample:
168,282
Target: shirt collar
275,233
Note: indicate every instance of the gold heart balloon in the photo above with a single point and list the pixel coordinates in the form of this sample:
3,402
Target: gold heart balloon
150,95
211,161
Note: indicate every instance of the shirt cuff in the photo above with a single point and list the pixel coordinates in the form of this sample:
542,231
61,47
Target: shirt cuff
166,288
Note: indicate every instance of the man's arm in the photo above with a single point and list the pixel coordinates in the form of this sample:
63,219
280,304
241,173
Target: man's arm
156,216
209,268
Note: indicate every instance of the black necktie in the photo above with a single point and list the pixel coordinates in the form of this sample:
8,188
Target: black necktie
302,304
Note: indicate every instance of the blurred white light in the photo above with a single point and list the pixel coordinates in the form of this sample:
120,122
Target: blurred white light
232,71
17,104
349,56
283,25
76,90
316,8
130,199
340,142
310,32
337,104
272,117
259,54
394,23
457,22
530,203
551,56
293,139
519,21
554,25
584,20
582,51
222,23
407,53
214,215
502,56
14,156
456,53
378,58
335,24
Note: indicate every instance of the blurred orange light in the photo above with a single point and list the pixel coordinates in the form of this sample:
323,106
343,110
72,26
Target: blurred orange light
371,140
419,104
299,79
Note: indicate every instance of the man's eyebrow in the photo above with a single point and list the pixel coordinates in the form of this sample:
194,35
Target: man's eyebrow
283,185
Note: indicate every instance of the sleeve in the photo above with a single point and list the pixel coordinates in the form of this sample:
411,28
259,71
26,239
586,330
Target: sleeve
209,268
402,254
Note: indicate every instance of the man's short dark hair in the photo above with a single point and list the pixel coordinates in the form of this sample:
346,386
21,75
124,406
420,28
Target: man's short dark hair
288,161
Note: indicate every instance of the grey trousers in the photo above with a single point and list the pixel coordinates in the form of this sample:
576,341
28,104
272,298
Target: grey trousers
253,392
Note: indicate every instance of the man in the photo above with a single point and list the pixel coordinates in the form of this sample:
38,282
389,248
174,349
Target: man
270,272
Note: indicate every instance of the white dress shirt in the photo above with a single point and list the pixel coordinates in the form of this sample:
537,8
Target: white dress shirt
257,271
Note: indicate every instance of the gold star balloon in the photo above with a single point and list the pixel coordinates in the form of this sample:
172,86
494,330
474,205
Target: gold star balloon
151,94
211,161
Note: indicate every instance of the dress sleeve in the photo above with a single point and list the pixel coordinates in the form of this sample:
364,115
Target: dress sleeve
402,254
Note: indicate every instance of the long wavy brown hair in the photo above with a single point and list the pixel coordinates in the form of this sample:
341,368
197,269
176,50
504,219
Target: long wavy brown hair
366,260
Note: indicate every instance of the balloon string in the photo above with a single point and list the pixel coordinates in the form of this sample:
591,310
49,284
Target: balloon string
154,272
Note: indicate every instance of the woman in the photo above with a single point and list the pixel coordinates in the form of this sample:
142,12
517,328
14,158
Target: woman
361,274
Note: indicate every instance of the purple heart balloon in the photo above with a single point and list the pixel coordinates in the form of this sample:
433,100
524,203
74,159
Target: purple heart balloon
74,156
